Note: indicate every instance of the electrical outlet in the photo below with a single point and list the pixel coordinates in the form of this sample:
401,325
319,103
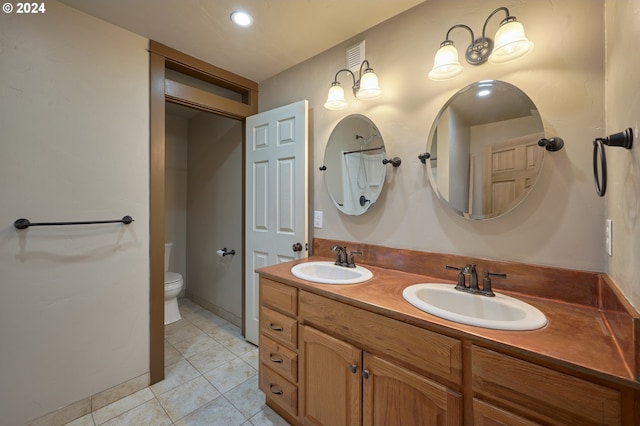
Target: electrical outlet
608,236
317,219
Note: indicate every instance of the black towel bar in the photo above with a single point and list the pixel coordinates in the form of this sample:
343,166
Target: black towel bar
25,223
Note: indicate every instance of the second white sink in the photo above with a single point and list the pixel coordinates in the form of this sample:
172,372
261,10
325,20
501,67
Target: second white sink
500,312
327,273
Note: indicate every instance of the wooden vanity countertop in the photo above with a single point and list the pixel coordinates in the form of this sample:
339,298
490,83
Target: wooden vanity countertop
576,337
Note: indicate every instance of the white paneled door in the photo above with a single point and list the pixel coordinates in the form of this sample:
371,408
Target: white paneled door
276,197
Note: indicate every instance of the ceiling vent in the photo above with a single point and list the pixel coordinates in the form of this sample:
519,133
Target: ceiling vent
355,56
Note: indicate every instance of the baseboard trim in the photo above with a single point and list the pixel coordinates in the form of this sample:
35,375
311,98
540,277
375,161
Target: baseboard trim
85,406
222,313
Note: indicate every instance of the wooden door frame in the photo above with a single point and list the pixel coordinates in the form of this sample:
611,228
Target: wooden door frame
161,58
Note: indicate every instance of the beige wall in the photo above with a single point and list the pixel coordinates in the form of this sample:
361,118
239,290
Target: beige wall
214,214
74,309
74,118
175,189
623,110
561,222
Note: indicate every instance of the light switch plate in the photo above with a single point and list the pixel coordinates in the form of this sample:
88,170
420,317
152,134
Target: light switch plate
317,219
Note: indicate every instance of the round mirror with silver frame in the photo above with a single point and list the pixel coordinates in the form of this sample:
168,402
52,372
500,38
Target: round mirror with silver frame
354,173
483,149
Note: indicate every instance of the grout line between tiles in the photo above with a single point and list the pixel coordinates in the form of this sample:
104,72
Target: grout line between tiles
196,318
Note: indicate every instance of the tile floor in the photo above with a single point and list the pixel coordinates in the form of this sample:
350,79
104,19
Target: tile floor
211,378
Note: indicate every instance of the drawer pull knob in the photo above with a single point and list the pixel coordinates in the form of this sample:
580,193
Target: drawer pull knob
275,389
275,327
275,359
365,374
353,368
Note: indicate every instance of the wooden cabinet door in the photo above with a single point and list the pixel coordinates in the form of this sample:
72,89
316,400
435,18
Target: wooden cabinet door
393,395
331,382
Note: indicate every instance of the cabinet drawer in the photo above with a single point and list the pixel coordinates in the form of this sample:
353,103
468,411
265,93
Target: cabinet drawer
279,327
424,351
278,296
284,361
541,393
487,415
279,390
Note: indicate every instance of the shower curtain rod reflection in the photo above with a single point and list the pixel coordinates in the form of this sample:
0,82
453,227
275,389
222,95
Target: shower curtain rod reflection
25,223
363,150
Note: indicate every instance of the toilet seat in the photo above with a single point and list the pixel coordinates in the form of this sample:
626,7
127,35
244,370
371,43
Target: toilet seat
171,278
172,281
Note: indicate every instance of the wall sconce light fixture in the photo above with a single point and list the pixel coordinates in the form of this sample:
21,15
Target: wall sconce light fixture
365,87
510,43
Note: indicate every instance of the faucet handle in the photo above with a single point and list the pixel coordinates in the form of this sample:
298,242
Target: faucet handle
351,263
486,283
462,285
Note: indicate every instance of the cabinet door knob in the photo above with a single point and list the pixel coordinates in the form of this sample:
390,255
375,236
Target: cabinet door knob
353,368
275,359
275,389
275,327
365,374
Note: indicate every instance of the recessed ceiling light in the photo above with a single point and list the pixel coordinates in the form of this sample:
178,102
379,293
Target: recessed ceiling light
241,18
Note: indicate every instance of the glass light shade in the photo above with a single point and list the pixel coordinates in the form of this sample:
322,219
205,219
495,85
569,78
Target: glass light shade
241,18
369,87
335,98
510,43
446,64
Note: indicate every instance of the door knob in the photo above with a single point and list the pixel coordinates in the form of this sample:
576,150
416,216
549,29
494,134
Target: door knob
297,247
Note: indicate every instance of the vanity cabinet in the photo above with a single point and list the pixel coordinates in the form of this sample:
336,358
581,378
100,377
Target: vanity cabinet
278,349
365,368
344,385
328,361
393,395
487,415
538,393
331,391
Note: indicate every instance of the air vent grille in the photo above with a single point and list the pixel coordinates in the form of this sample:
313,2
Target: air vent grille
355,56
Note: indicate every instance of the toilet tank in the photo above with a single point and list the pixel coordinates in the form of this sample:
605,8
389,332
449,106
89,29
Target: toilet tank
167,255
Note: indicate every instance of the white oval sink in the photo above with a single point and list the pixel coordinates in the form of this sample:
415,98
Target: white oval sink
500,312
327,273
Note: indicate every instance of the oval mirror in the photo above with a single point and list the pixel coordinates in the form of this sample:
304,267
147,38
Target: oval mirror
483,147
353,170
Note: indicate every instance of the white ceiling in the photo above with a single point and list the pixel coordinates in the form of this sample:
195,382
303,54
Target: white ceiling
284,33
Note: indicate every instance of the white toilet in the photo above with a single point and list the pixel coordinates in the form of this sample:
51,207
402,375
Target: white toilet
172,287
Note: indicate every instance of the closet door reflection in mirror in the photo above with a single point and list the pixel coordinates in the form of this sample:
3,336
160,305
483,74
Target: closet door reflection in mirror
353,170
484,153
